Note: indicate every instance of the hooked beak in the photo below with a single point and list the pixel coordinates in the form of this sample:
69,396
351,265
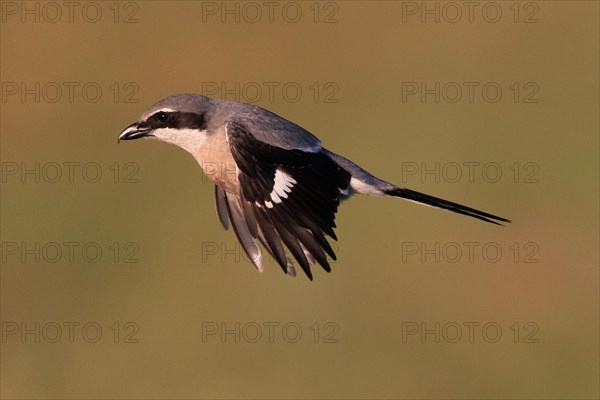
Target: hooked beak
133,131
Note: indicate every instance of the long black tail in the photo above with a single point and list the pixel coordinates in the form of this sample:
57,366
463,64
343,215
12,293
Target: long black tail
444,204
370,184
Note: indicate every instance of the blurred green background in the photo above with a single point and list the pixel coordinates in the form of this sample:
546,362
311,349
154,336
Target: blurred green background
190,277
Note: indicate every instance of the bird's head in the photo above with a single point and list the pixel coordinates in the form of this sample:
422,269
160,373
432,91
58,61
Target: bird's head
181,119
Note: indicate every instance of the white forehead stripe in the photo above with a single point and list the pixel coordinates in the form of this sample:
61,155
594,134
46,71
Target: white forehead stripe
149,113
282,186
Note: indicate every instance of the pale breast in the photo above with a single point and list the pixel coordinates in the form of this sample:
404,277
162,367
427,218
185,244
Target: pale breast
217,162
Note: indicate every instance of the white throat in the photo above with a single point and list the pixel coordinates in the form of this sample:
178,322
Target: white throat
191,140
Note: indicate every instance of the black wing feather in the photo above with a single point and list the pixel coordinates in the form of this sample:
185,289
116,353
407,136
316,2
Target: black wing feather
300,220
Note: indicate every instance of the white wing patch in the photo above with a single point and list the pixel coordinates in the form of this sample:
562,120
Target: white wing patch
282,186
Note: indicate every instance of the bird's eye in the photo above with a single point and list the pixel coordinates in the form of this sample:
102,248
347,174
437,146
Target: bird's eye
162,116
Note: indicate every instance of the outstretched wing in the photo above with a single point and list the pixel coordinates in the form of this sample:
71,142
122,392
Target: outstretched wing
288,198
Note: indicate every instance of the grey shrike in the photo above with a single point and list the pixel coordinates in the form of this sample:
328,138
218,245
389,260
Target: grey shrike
274,182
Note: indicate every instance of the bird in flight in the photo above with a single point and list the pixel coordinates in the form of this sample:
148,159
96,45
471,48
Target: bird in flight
274,181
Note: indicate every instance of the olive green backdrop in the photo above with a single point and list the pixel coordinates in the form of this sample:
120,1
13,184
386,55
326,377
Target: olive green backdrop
171,309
